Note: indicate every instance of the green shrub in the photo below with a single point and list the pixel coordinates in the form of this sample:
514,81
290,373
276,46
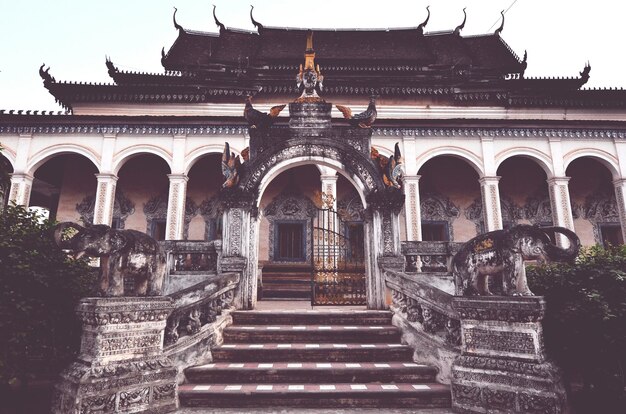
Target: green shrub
39,289
585,322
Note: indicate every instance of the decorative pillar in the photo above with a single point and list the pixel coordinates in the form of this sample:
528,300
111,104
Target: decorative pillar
175,226
240,244
492,213
561,206
21,186
620,197
382,238
329,187
105,199
412,210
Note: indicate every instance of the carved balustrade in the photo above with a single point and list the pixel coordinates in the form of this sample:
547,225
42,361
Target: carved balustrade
429,256
199,306
189,257
426,306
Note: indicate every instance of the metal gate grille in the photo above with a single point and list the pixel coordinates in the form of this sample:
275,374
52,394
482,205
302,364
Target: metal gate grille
337,260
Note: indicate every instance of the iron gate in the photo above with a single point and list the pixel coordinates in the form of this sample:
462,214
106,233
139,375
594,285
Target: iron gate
337,260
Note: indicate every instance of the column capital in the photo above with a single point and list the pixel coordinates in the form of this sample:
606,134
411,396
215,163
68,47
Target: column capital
620,182
178,177
325,177
558,180
489,179
411,178
21,176
106,177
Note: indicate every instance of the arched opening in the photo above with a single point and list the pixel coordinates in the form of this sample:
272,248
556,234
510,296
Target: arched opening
143,188
450,201
60,186
524,197
202,213
294,215
6,169
594,206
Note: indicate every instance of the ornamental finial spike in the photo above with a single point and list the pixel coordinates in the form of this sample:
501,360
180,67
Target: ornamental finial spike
309,79
499,29
309,54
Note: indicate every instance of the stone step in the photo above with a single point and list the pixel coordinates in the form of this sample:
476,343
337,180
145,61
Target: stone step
303,372
311,334
311,352
313,317
295,276
430,395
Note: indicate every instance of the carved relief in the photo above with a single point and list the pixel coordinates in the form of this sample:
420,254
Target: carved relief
600,207
122,207
156,209
511,213
436,207
351,209
211,210
287,206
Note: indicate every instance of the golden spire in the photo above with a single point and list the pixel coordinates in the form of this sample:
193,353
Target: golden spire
309,54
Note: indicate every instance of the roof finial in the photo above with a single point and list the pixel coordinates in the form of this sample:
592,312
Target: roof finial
499,29
176,25
524,63
217,22
256,24
110,66
421,27
45,75
584,75
460,27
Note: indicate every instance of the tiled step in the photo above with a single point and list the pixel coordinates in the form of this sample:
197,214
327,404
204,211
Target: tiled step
311,333
311,352
315,395
305,372
313,317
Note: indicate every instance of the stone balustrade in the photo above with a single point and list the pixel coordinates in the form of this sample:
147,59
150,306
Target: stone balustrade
429,256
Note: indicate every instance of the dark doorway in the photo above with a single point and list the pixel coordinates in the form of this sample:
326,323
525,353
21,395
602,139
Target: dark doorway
290,241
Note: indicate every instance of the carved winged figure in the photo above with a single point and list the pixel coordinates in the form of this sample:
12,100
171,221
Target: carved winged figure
258,119
394,172
230,167
362,120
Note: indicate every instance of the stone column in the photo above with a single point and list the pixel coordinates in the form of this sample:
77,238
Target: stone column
502,367
105,199
121,367
620,197
175,226
240,244
21,186
492,213
382,238
561,206
412,210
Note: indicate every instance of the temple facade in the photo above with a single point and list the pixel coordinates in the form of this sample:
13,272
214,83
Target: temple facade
483,147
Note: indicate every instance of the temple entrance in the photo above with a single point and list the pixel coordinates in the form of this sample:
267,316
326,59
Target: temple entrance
338,261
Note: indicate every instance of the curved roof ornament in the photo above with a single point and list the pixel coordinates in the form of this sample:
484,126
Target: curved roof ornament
110,66
176,25
584,75
499,29
460,27
421,27
524,63
45,75
163,56
256,24
217,22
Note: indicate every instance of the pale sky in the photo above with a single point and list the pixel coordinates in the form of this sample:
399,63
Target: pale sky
73,36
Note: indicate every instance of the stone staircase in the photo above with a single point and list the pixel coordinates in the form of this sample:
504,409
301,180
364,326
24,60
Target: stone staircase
346,358
291,282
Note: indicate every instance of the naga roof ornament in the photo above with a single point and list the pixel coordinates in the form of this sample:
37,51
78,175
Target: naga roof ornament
310,78
256,24
460,27
176,25
421,27
217,22
499,29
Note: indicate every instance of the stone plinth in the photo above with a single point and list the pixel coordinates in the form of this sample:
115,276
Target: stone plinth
121,367
502,367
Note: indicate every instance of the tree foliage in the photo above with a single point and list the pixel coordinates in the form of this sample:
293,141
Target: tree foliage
585,322
39,289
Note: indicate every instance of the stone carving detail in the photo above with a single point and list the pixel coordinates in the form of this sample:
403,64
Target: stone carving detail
162,392
600,207
130,399
104,404
538,208
511,214
289,205
351,209
122,207
156,209
436,207
387,234
453,332
517,342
